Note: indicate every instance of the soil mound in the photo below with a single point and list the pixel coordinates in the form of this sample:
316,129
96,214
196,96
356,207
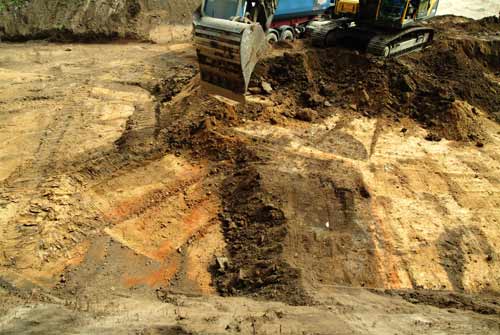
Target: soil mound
491,23
423,86
462,122
255,230
445,23
487,24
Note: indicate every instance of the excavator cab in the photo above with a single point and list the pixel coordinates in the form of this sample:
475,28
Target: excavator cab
403,13
391,10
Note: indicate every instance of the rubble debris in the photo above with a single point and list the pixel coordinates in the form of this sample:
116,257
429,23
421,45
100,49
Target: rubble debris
266,87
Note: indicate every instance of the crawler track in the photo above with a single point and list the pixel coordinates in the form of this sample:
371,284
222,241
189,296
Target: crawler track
407,41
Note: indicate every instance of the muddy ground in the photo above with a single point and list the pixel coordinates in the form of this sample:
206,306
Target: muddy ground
359,197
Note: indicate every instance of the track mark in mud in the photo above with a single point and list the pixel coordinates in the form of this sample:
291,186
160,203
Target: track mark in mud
163,221
53,213
375,137
162,230
135,207
47,198
194,260
460,246
156,278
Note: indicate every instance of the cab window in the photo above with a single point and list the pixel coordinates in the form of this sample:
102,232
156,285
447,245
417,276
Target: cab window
392,10
222,9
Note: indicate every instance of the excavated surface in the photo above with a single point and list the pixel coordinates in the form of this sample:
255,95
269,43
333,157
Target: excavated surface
94,20
358,195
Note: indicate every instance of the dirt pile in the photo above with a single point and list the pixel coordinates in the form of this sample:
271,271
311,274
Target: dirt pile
269,254
256,229
426,87
97,20
490,24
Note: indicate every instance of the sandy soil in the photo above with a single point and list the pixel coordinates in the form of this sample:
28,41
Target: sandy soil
121,184
344,311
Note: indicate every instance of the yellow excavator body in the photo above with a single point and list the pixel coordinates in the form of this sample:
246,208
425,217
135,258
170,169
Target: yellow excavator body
397,14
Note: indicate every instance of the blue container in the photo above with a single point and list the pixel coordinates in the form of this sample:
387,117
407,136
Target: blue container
290,9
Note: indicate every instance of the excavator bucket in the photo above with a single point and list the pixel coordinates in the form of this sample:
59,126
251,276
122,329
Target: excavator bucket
227,54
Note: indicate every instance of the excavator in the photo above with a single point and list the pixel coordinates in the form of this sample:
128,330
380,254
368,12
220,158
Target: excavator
386,28
232,35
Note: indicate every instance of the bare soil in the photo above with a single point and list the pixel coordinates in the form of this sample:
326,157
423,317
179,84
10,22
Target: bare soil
99,20
358,197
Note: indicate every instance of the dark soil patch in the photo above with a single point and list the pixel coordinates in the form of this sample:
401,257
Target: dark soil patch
444,299
487,24
255,231
254,228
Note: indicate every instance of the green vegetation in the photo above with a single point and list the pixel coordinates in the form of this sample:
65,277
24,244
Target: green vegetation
4,4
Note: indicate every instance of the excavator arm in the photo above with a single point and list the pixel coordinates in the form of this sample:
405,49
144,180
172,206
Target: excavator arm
230,38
